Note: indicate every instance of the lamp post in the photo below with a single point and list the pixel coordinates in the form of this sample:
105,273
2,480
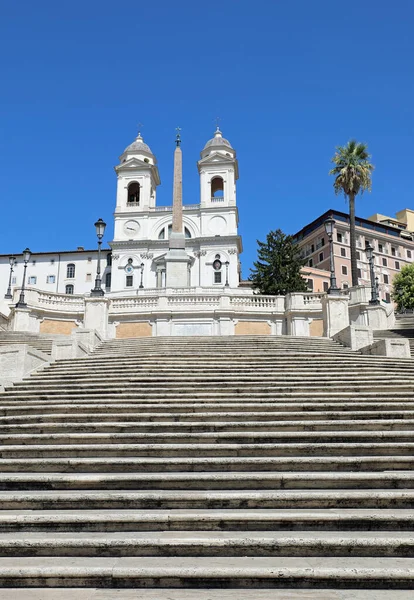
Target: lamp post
329,228
12,261
369,251
141,285
26,257
227,273
100,230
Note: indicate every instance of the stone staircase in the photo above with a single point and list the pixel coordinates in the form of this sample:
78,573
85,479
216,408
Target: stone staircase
403,328
42,342
246,463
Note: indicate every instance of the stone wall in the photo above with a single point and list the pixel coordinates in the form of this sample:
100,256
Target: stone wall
252,328
57,326
133,329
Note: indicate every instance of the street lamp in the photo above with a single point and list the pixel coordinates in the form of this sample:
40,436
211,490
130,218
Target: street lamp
227,273
100,230
369,251
329,228
26,257
141,285
12,261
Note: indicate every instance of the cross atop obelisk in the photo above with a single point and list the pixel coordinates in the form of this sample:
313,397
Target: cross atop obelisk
177,224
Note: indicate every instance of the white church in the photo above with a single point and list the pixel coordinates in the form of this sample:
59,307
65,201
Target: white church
142,232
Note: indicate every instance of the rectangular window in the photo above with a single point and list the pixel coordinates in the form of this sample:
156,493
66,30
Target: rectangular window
310,284
380,248
313,248
322,241
343,252
393,252
311,262
217,277
344,270
384,262
32,280
408,253
50,279
397,265
387,297
320,256
88,276
386,278
339,237
129,281
359,273
325,286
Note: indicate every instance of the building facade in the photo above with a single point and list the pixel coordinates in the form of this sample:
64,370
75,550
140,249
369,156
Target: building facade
392,240
135,262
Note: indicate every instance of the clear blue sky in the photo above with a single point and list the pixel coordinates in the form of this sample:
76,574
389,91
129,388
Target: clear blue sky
289,79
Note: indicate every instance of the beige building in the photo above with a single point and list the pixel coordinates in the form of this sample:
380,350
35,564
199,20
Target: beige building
392,240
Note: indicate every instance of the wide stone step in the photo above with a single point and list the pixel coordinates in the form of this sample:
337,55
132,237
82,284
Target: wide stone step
208,464
114,418
248,437
204,572
162,450
39,409
203,499
201,543
207,481
200,426
208,520
52,593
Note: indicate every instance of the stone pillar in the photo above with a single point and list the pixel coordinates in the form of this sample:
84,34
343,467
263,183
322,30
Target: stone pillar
22,320
335,314
96,315
177,260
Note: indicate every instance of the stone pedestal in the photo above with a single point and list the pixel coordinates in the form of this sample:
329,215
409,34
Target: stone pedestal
22,320
96,315
177,262
335,314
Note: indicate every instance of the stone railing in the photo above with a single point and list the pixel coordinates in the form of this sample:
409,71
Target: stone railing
272,303
68,303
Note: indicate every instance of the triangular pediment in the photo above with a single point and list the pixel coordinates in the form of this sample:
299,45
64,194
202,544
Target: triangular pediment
216,158
133,163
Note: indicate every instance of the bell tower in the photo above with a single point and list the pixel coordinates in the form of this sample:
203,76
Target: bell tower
138,179
218,169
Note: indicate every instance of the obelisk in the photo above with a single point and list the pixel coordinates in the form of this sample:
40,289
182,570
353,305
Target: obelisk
177,260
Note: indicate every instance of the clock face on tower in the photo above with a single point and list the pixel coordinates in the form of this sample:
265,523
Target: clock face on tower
131,229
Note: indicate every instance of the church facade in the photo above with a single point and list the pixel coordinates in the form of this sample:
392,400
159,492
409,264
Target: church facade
137,260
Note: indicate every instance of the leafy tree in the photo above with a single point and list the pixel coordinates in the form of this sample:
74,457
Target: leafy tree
352,176
403,288
277,270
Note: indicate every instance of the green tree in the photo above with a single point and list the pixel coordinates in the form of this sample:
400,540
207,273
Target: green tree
277,270
403,288
352,176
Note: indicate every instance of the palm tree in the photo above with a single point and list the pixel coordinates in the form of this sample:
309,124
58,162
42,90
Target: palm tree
352,172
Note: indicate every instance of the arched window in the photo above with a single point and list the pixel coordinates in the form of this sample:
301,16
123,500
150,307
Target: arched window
161,235
134,193
217,266
70,272
217,187
108,279
69,289
109,259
